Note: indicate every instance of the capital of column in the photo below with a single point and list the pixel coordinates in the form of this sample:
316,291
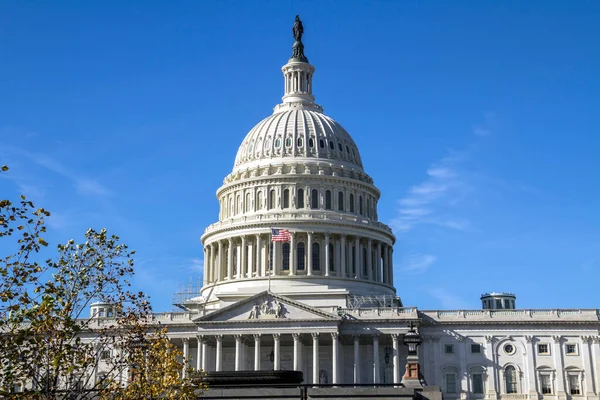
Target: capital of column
200,338
557,338
238,338
186,340
276,336
296,337
219,338
395,336
256,337
315,335
335,335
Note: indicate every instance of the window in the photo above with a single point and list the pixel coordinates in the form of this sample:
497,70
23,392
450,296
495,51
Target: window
360,205
571,349
272,199
247,205
450,383
314,199
364,262
286,198
498,304
449,348
105,355
321,143
316,257
351,203
331,258
545,384
476,348
259,200
286,257
477,381
300,256
328,199
288,142
510,377
340,146
278,143
299,142
331,145
509,348
507,303
574,386
340,201
311,142
300,199
543,349
101,312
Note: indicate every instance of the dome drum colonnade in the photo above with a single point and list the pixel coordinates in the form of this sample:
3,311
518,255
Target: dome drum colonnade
298,170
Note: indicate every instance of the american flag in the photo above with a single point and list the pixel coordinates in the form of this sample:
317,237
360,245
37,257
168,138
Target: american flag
280,235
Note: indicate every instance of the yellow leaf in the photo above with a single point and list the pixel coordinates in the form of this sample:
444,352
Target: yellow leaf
42,242
4,168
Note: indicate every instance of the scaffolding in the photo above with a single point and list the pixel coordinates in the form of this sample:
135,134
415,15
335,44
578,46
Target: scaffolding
181,298
372,301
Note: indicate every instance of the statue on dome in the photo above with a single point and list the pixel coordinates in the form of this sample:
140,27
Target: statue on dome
298,29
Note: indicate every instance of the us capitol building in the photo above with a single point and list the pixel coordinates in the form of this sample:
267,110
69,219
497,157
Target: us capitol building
322,300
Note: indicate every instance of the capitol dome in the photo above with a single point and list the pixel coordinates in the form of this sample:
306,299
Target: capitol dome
298,172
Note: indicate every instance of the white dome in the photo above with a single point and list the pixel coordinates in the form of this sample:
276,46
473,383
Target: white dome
298,133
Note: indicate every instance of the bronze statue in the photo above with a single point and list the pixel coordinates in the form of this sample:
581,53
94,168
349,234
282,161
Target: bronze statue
298,29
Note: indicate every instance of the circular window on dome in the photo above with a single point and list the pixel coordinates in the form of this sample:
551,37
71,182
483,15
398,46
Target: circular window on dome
331,146
509,348
340,147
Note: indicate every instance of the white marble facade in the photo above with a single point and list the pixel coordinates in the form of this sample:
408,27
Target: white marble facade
299,170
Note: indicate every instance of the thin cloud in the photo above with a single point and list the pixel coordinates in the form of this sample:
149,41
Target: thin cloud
448,300
417,263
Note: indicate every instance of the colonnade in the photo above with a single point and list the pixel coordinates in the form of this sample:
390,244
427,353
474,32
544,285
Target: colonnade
214,343
307,253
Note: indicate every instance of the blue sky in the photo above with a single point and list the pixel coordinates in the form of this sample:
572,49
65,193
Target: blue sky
478,120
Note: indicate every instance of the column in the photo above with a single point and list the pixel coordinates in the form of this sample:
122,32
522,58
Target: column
343,266
256,352
211,269
370,259
219,353
238,256
391,265
199,353
309,269
242,263
396,358
275,257
358,269
531,384
376,378
258,256
238,352
378,262
558,362
327,255
596,360
230,260
219,261
204,364
315,337
250,259
337,257
206,265
276,351
335,357
296,365
186,355
490,359
586,351
293,264
356,359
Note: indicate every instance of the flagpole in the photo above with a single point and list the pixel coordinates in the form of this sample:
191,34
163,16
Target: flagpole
270,258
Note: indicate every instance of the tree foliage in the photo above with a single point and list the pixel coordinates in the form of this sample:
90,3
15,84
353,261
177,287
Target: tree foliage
49,348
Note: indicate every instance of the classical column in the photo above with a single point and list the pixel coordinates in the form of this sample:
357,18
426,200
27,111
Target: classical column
211,268
558,362
327,265
596,357
238,259
276,351
238,352
531,379
490,360
378,262
186,355
335,356
258,256
357,269
391,265
199,352
337,257
257,352
586,351
343,266
230,260
309,269
296,365
315,337
356,359
219,262
370,259
250,259
204,364
376,378
293,265
219,353
206,265
396,358
242,264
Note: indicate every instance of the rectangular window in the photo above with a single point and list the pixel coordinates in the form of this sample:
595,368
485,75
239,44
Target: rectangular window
477,383
543,348
476,348
571,349
450,383
449,349
105,355
499,304
574,384
546,384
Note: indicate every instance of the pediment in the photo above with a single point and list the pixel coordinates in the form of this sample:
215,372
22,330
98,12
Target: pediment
267,306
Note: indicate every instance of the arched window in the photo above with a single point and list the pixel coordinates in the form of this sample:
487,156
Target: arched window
340,201
364,261
328,199
247,205
368,207
314,199
272,199
286,198
299,142
360,205
331,257
316,257
300,199
510,376
286,256
351,203
238,204
300,256
259,200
